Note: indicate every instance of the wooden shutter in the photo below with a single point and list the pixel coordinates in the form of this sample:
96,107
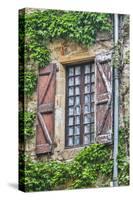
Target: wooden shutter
45,109
103,114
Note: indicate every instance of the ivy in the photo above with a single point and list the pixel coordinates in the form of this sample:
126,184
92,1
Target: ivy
27,82
92,167
26,122
38,28
41,27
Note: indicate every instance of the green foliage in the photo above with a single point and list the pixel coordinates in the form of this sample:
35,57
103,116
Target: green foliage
27,82
92,162
26,122
92,167
37,28
39,176
40,27
123,157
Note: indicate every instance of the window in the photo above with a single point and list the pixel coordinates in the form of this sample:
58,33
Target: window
80,83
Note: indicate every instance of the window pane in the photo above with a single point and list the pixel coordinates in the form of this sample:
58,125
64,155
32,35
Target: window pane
87,99
92,97
70,121
77,110
92,117
92,138
87,88
71,71
71,91
76,140
86,109
71,111
87,119
77,100
77,80
87,78
80,95
71,101
77,120
92,78
70,131
87,128
77,70
77,130
92,107
87,139
92,87
92,68
92,128
70,141
87,69
71,81
77,90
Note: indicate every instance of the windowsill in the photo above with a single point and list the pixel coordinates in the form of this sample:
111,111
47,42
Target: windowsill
79,147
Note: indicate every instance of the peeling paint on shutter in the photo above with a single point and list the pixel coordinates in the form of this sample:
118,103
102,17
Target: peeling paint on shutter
45,109
103,103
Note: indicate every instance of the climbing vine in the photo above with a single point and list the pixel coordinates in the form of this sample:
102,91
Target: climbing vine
26,122
27,82
92,167
38,28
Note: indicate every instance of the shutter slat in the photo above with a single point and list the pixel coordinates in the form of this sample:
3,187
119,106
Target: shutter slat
46,108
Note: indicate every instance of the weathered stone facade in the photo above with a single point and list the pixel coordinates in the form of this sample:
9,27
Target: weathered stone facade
66,52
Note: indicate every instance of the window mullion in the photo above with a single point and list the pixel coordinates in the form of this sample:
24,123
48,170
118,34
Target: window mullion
82,104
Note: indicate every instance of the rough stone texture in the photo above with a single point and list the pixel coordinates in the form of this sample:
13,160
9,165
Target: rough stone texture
59,49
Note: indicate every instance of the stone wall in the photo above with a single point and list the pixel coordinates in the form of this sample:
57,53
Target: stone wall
63,50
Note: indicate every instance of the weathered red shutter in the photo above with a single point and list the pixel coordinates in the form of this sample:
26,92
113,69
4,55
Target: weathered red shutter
45,109
103,114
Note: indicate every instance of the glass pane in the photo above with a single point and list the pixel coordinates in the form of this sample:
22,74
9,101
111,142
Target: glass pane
71,111
77,80
76,140
92,87
92,138
71,71
77,100
92,117
87,99
92,78
70,121
87,128
92,107
87,69
70,131
77,130
71,81
86,108
87,88
92,97
87,119
77,90
77,120
70,141
71,91
71,101
87,139
92,68
77,110
92,128
87,78
77,70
